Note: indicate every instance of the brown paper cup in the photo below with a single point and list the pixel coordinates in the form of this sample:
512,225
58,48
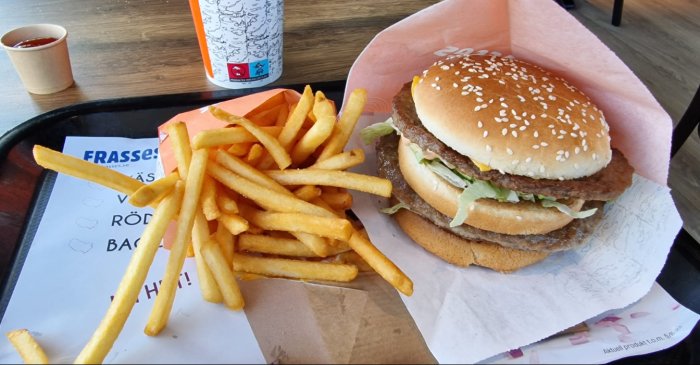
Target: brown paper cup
43,69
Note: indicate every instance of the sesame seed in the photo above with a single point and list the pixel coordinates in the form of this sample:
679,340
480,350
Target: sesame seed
502,113
488,148
566,154
513,125
577,150
504,105
504,131
480,124
544,144
486,133
560,137
514,133
464,93
477,108
455,85
518,217
574,135
536,134
437,88
510,152
433,84
437,78
523,128
445,67
479,100
527,160
595,156
535,146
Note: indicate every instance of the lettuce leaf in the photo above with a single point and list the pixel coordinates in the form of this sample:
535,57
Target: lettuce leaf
393,209
371,133
477,190
547,203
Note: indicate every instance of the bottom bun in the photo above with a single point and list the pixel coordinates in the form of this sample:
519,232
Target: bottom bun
462,252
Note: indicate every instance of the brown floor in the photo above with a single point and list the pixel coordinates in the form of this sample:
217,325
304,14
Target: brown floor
660,41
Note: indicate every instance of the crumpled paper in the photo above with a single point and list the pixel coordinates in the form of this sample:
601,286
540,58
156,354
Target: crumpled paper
467,315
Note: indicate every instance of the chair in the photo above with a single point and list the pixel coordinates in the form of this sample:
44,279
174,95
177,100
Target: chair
617,12
686,124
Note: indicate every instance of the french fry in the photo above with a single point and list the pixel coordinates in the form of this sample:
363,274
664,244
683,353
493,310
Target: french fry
234,223
223,275
322,203
231,135
226,204
313,138
281,246
85,170
263,196
207,285
254,154
338,200
177,132
297,117
27,347
341,179
341,161
351,258
323,106
131,283
307,192
318,245
380,263
226,241
295,121
273,146
239,149
150,193
208,199
249,172
295,269
346,123
330,227
190,204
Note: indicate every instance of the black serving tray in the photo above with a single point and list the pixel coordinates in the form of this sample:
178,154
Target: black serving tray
25,188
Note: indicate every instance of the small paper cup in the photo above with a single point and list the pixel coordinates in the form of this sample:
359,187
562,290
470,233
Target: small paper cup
43,69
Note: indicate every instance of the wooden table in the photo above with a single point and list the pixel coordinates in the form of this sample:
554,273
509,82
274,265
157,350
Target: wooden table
122,48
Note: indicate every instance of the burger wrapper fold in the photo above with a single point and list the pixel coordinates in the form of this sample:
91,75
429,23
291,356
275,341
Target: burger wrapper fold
468,315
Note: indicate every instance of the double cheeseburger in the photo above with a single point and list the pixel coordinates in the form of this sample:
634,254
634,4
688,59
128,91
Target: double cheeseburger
497,162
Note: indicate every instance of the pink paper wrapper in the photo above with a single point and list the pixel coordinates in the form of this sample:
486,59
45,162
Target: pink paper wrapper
536,31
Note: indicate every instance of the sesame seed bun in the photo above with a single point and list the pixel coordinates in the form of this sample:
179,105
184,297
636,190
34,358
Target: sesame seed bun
488,214
513,116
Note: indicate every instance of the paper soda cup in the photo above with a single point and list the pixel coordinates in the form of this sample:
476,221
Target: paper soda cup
240,40
39,54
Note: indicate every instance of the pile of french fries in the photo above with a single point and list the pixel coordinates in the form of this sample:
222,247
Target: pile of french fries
267,196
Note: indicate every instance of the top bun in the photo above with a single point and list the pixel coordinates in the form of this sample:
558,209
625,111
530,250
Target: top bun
513,116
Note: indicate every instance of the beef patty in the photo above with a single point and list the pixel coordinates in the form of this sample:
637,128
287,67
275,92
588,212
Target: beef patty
570,236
